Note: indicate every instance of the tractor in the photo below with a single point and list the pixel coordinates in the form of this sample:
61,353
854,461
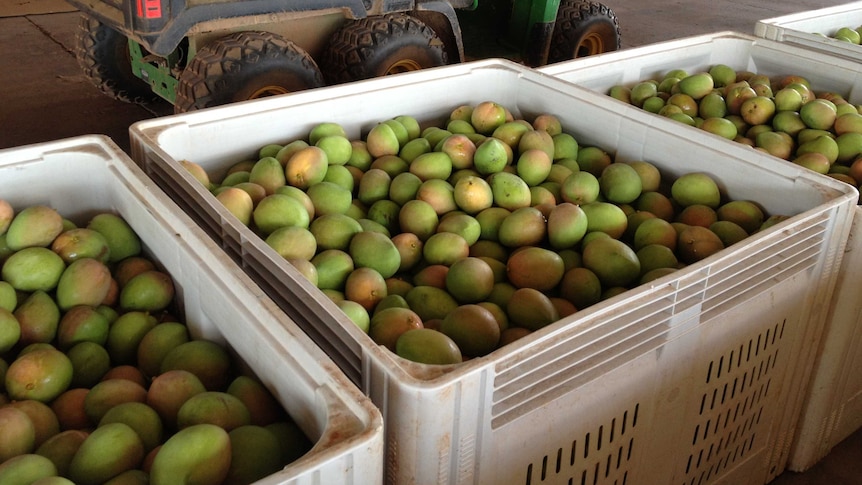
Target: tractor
201,53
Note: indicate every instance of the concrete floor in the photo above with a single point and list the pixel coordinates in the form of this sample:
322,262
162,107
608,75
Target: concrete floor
46,97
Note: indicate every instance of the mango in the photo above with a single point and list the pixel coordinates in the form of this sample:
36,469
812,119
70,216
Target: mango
469,280
509,191
156,343
697,85
10,330
143,419
255,454
487,116
85,281
261,403
69,407
491,156
109,450
511,132
376,251
208,360
823,144
109,393
819,114
169,391
41,374
199,454
331,231
8,296
338,148
125,335
306,167
464,225
44,420
432,165
61,447
17,433
33,268
696,188
82,323
197,172
33,226
614,262
150,291
535,267
605,217
81,243
130,477
531,309
382,140
388,325
7,213
620,183
439,193
26,469
365,286
428,346
90,362
122,240
279,210
238,202
696,243
418,217
473,328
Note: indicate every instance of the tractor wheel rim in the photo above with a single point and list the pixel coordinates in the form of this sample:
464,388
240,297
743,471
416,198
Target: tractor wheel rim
405,65
268,91
590,45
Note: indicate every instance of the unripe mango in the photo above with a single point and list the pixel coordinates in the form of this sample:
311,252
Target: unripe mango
125,336
207,360
17,433
33,268
34,226
238,202
26,469
697,85
41,374
61,447
268,173
38,317
108,451
81,243
696,188
122,240
509,191
149,291
85,281
201,454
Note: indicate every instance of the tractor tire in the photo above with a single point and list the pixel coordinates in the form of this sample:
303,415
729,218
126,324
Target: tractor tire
583,28
378,46
242,66
103,54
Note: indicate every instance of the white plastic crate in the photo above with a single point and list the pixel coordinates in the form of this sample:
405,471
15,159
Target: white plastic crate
833,409
89,174
692,377
813,29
